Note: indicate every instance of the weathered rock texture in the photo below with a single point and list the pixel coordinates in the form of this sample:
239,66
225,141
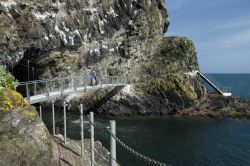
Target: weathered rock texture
219,107
24,139
104,29
117,37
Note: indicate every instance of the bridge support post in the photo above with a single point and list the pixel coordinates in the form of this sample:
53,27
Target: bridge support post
64,120
82,130
112,143
92,139
53,118
41,115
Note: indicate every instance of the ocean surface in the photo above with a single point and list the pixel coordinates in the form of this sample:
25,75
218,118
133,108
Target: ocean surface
177,141
237,84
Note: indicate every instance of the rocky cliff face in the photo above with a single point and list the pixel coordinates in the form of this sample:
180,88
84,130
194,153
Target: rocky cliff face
117,37
92,30
24,139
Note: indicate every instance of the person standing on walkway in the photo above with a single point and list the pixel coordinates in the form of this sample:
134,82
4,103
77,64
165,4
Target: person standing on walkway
93,77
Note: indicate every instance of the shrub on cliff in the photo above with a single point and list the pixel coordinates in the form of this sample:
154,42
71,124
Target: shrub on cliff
9,99
6,79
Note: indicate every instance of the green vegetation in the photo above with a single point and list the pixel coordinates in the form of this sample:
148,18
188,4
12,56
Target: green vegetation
164,72
10,99
6,32
175,55
6,79
173,82
234,114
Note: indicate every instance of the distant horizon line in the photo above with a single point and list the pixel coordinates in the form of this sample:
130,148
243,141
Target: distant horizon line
224,73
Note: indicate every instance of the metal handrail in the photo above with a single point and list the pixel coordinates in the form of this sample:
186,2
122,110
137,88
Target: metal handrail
45,87
64,78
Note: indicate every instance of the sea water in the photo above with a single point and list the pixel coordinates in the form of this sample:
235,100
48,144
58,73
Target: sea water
176,141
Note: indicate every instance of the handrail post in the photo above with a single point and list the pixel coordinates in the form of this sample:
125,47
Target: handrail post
61,82
71,82
82,130
35,91
53,118
47,88
41,116
101,81
92,140
27,93
85,86
64,120
112,143
74,84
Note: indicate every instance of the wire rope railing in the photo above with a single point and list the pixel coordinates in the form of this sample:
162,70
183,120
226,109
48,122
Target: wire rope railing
111,131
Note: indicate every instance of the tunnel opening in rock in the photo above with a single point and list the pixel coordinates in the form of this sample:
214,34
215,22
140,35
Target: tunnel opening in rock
28,69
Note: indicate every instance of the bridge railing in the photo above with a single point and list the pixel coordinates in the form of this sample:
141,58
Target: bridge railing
66,84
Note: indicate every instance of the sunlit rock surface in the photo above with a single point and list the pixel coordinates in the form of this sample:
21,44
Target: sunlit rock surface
24,139
116,37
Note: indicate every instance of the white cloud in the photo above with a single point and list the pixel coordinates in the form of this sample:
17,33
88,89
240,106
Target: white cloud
236,39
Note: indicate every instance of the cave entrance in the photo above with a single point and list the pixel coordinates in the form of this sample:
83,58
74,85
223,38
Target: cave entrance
27,69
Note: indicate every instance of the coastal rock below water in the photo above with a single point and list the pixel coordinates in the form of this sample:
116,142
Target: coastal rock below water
219,107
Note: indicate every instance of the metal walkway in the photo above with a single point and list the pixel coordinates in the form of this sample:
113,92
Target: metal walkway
215,87
43,90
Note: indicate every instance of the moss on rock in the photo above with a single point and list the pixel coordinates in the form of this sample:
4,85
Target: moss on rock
10,99
173,82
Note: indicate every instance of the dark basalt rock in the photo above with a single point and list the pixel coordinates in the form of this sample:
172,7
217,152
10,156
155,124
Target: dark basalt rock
123,37
217,106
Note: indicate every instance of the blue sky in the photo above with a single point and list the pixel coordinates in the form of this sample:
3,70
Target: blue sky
220,30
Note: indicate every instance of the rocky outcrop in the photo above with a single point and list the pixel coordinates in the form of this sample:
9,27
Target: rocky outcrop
116,37
217,106
42,31
24,139
160,86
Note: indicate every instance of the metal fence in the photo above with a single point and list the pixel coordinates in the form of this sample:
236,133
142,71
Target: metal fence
111,130
67,85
